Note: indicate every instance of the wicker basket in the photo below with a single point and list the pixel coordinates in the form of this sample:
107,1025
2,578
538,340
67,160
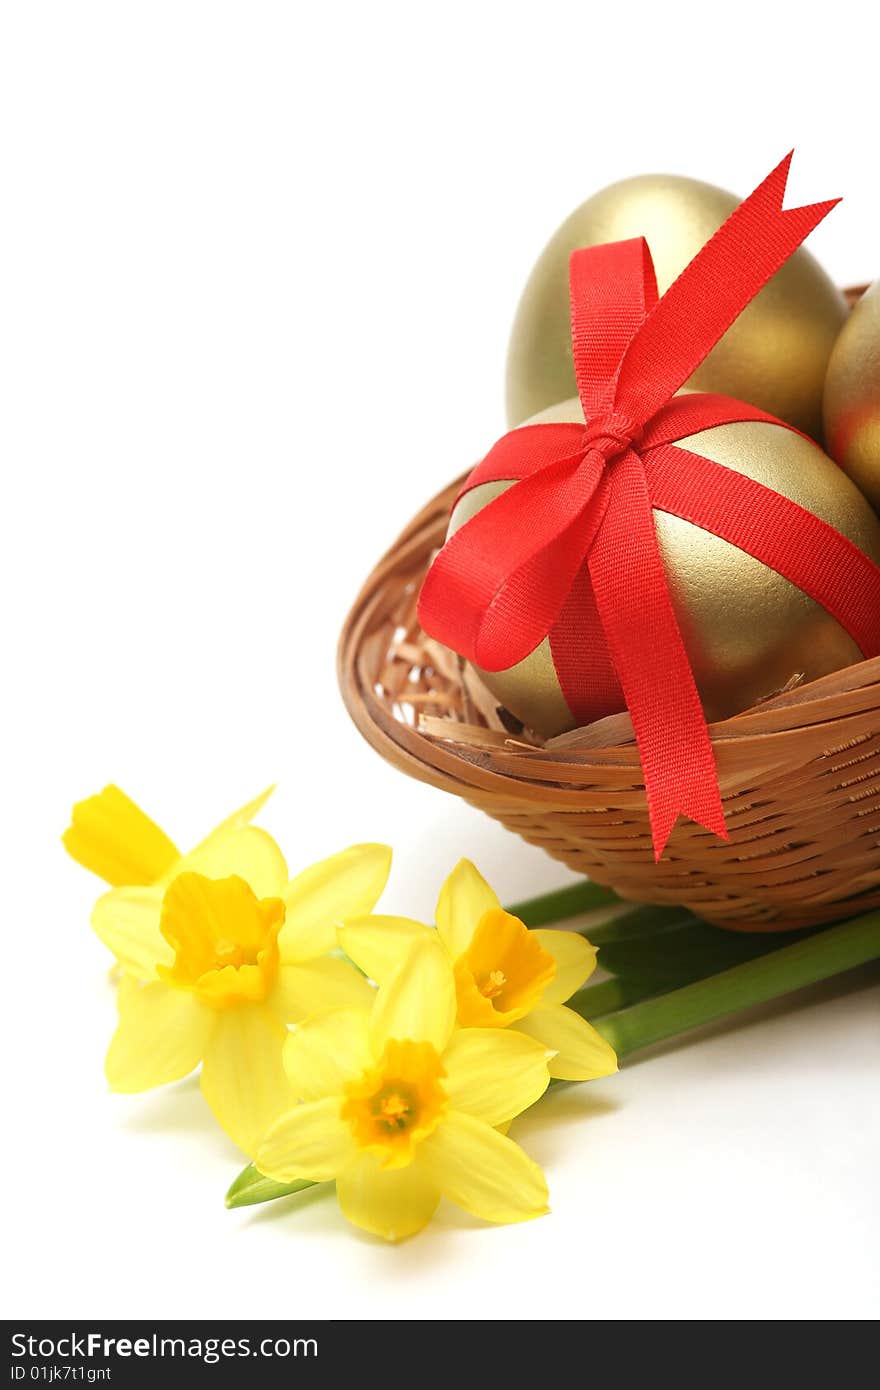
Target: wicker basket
799,774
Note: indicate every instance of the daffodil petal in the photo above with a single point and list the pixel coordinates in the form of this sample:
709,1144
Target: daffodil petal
418,1003
112,836
326,1051
318,900
243,1077
310,1141
243,816
575,962
161,1036
246,851
378,944
391,1203
582,1054
127,921
317,985
483,1171
464,897
494,1073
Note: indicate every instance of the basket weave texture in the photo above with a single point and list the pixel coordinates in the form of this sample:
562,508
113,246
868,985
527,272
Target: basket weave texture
799,774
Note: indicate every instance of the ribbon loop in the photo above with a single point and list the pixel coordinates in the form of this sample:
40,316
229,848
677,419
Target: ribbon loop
569,551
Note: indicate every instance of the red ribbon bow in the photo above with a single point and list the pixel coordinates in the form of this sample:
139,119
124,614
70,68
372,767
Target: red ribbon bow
570,550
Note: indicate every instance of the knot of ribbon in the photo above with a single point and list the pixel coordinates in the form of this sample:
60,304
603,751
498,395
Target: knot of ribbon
610,433
569,551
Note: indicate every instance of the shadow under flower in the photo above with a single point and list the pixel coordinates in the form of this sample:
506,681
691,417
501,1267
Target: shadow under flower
179,1109
543,1130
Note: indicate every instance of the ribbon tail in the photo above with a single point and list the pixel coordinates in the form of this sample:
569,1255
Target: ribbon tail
651,662
580,654
711,292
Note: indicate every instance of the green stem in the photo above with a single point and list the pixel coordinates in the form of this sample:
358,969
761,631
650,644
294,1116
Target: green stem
562,903
608,996
815,958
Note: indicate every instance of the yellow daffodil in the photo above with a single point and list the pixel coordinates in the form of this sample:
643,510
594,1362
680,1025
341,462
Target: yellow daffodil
401,1108
110,835
220,952
504,973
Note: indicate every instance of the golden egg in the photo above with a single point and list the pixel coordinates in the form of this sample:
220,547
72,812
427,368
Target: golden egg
747,630
852,396
773,356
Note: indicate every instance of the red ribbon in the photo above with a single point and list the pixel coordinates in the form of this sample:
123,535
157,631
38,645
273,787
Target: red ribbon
570,550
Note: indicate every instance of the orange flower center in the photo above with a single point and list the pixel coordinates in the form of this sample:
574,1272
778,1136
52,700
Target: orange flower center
224,937
502,974
397,1103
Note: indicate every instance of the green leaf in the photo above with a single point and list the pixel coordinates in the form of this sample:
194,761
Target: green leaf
670,956
251,1187
817,955
638,921
685,953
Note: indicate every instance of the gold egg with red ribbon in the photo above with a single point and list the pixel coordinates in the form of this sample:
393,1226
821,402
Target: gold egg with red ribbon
774,356
748,630
852,396
683,554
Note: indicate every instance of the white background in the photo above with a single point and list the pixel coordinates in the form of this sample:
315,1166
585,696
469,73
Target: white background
258,267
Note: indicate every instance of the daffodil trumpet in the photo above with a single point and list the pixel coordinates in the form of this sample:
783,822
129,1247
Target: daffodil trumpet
773,973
